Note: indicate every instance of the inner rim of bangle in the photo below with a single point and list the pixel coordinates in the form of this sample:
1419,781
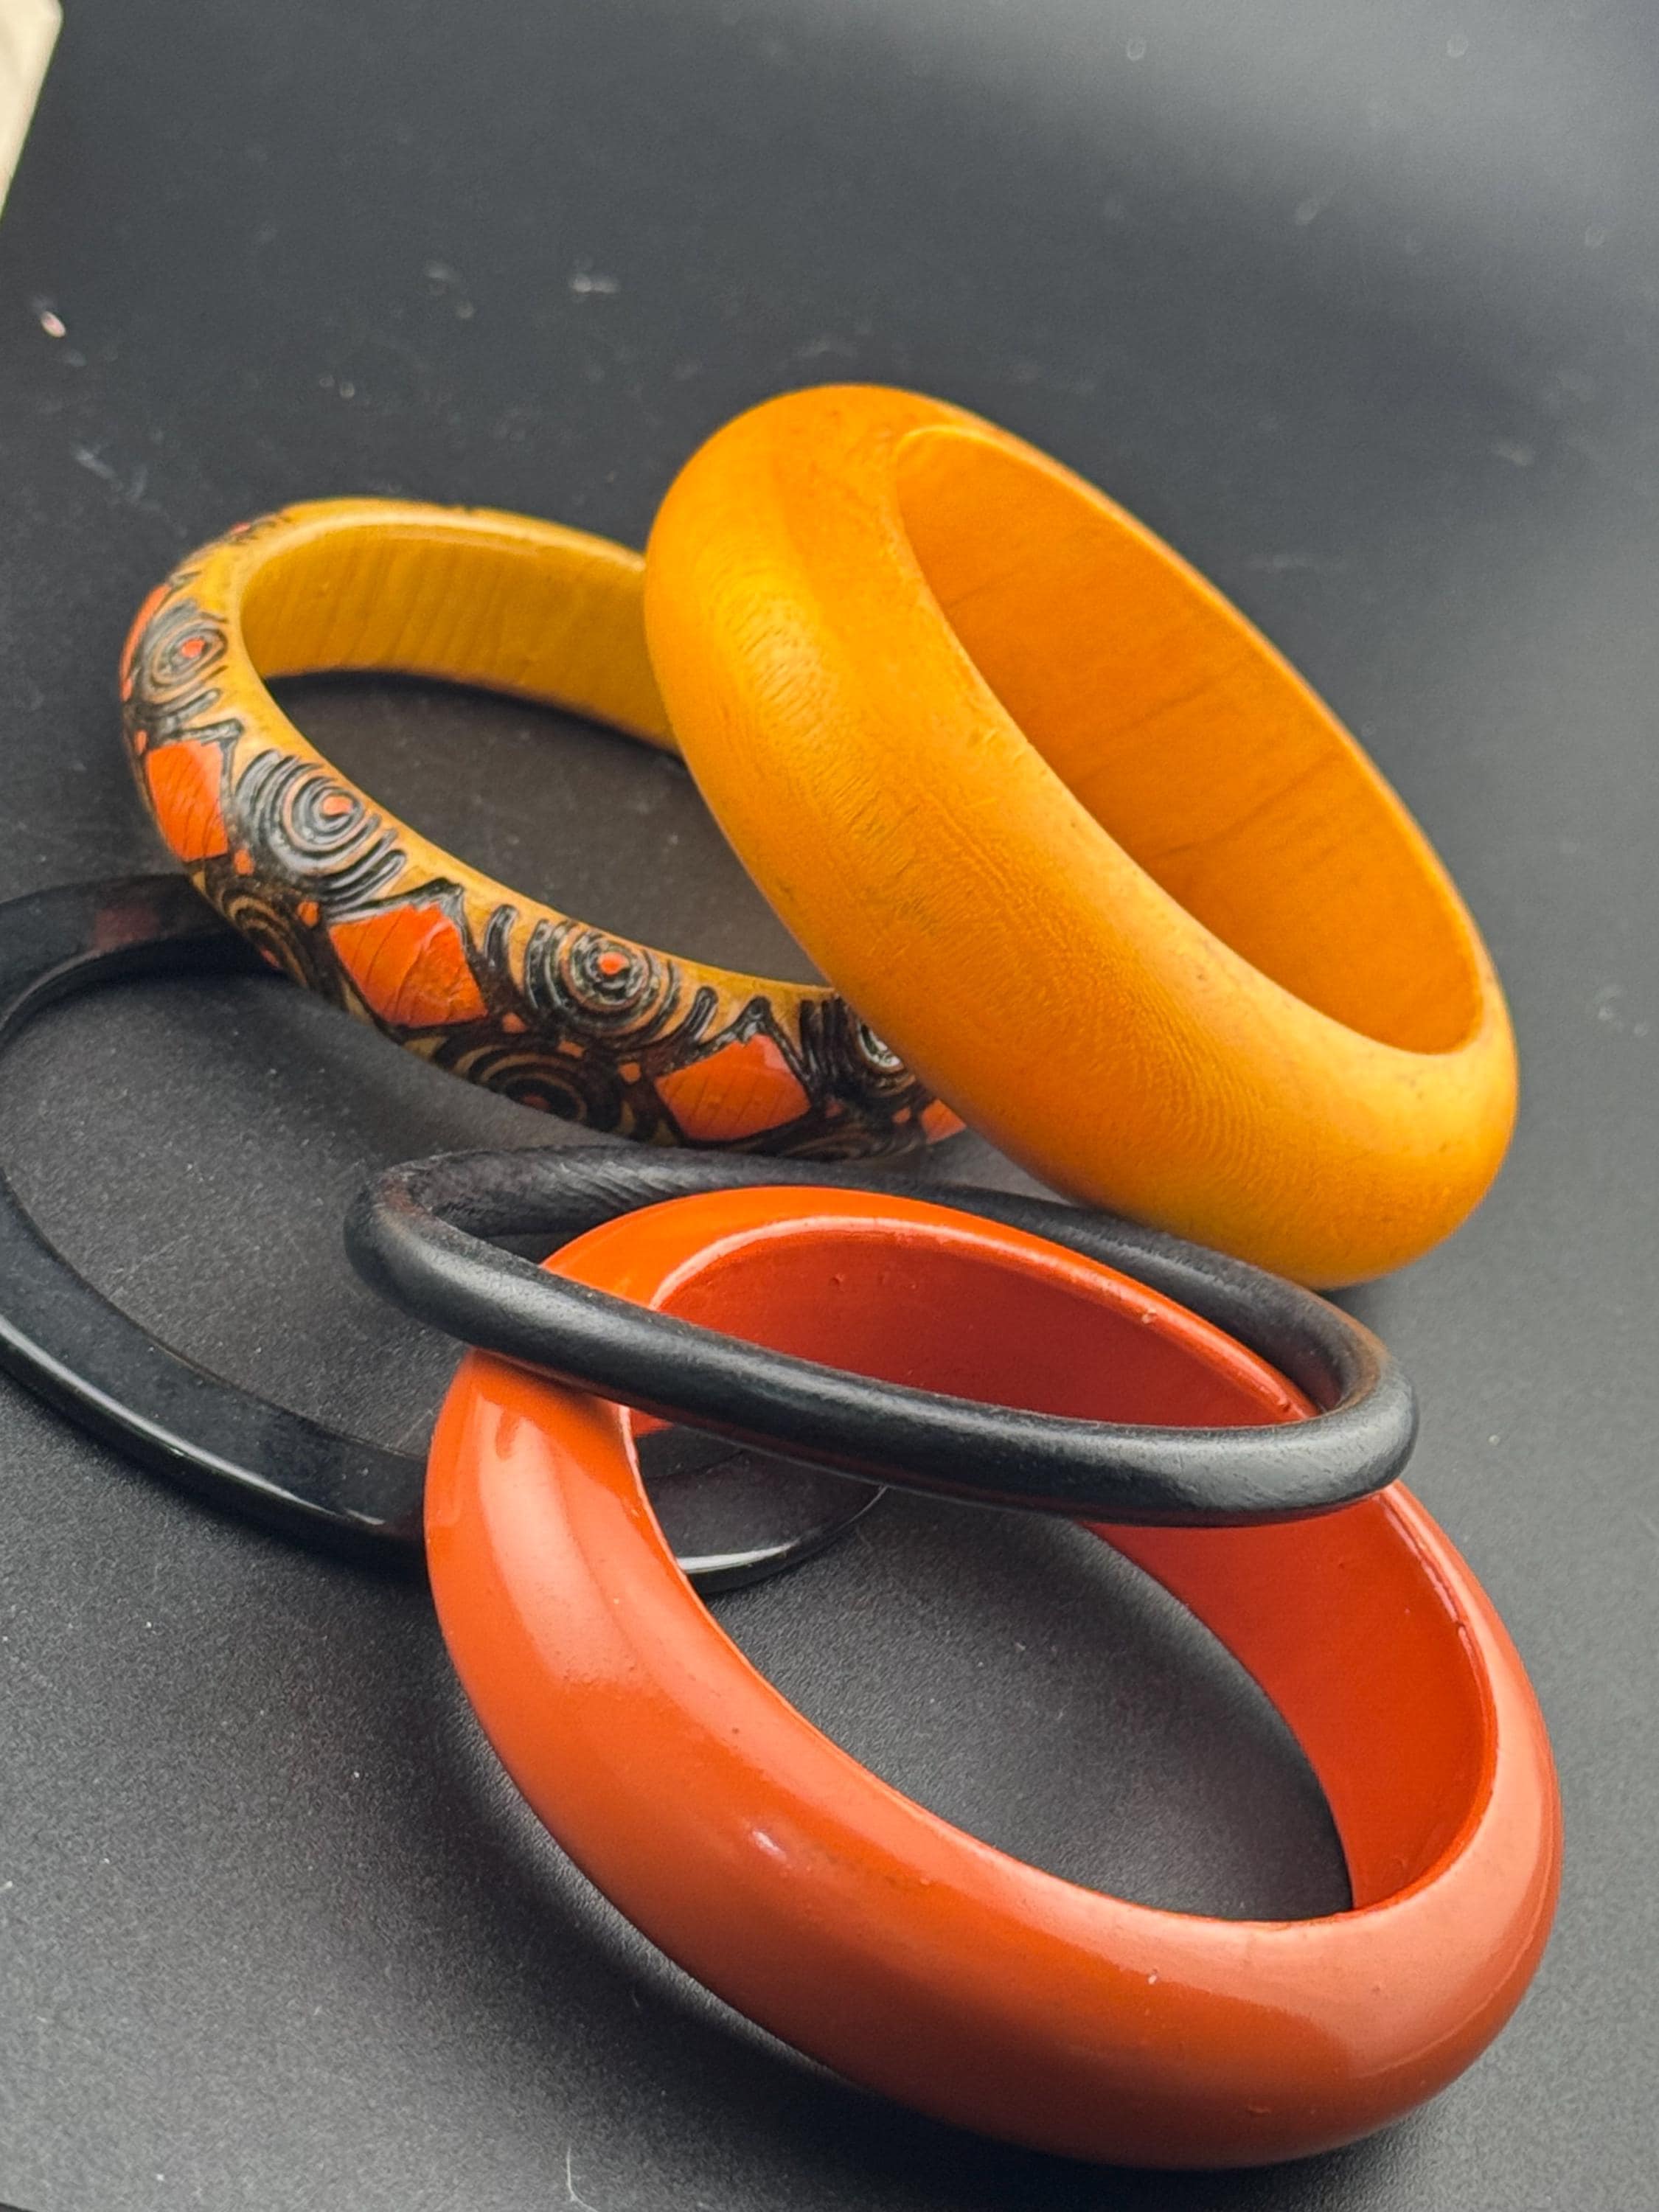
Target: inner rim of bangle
1363,1649
499,603
1197,750
959,1310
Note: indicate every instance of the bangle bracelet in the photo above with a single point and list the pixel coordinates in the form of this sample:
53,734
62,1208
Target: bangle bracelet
334,890
1175,1315
888,1944
1076,839
731,1519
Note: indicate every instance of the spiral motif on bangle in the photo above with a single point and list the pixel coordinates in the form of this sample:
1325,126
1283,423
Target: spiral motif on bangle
871,1054
167,687
188,647
600,985
268,920
848,1058
319,833
590,1091
550,1012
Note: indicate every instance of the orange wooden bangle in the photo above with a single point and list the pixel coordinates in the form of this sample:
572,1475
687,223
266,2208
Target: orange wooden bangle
871,1933
1072,833
499,989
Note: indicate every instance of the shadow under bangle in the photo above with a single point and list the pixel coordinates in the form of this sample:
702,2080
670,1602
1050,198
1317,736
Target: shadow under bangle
476,978
418,1234
733,1518
878,1938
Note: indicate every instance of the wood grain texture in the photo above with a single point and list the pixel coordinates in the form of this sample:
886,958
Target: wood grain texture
1035,795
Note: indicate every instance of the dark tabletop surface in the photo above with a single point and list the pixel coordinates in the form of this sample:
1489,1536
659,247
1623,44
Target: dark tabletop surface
1359,305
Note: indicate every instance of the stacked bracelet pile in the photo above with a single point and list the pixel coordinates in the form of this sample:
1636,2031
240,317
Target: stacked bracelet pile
1121,894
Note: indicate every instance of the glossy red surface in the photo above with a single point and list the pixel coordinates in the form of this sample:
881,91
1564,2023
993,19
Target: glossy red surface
876,1936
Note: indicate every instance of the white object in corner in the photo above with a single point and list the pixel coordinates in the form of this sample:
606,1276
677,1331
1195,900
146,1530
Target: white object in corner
28,31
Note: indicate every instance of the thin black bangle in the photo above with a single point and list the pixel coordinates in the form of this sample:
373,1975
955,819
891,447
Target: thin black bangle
731,1520
418,1235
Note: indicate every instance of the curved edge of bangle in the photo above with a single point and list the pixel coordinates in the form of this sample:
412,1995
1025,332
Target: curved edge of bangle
909,1955
418,1235
1088,945
731,1521
492,986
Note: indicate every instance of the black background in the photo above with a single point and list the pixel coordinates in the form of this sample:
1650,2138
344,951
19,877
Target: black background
1358,306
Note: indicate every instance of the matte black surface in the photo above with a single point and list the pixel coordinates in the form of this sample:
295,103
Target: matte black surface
1356,304
733,1517
420,1235
95,1364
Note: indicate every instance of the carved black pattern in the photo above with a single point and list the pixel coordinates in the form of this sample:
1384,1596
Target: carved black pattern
593,1022
600,986
321,837
169,693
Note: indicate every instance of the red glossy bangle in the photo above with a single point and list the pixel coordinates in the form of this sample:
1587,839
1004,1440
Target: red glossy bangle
876,1936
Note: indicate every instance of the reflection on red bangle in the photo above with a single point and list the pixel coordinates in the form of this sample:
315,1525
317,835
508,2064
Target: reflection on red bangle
872,1935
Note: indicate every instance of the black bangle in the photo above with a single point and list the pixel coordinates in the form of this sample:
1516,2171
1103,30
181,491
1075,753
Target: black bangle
731,1519
418,1235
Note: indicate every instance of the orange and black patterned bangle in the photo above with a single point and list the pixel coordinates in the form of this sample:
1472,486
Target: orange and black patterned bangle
490,985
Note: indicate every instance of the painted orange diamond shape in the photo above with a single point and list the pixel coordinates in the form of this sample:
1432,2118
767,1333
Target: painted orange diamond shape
184,789
939,1120
736,1091
411,967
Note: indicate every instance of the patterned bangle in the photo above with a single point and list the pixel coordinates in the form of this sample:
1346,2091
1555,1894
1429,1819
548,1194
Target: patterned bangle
335,892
